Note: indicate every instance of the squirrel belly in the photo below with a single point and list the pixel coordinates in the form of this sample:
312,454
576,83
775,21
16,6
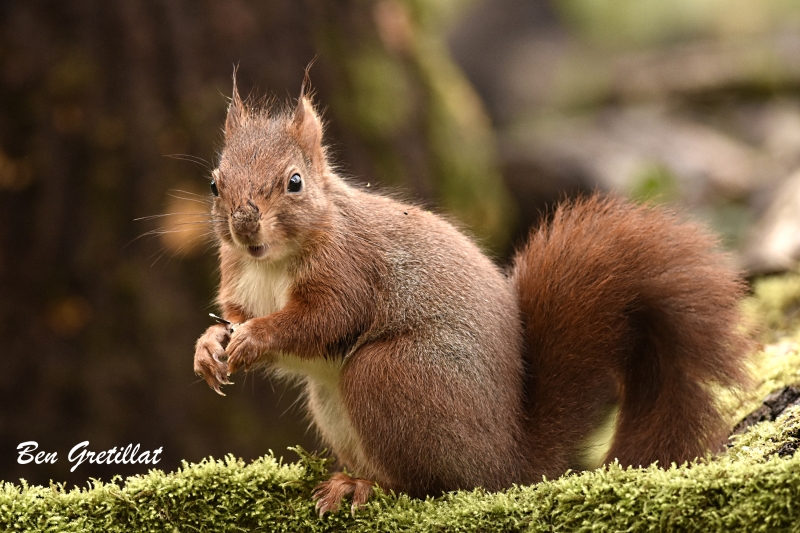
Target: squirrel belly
426,368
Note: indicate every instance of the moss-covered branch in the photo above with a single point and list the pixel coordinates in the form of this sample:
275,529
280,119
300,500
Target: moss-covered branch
753,486
750,489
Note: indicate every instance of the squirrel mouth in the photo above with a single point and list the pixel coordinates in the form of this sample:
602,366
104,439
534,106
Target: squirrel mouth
257,251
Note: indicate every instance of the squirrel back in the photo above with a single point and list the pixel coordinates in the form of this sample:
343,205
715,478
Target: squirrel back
425,367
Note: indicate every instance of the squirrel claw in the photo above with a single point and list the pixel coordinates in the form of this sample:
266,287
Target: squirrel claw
329,494
221,381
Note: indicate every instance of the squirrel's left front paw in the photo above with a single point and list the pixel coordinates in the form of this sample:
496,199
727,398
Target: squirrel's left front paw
245,348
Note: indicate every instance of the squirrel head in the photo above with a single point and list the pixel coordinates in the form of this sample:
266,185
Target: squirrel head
270,188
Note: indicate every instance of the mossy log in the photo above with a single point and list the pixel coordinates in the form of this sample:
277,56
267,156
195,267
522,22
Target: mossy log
754,485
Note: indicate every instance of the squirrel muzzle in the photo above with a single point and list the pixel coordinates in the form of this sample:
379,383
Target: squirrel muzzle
245,224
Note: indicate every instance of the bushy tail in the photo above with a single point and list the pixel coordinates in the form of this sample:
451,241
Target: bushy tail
626,304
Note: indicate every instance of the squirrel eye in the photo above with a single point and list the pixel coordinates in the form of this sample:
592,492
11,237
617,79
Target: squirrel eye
295,183
214,189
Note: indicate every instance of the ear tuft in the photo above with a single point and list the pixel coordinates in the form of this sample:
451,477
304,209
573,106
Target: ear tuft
307,124
235,110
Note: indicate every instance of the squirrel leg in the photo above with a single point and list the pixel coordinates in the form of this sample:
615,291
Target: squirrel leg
425,424
329,494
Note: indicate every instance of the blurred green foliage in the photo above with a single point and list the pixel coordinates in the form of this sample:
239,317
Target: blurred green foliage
656,183
635,23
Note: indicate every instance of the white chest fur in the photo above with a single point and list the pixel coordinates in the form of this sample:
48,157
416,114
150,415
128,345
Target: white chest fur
327,409
262,287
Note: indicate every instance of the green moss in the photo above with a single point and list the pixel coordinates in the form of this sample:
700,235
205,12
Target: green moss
749,487
776,306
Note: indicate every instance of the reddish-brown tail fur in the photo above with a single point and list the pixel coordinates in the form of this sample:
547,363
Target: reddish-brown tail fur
637,309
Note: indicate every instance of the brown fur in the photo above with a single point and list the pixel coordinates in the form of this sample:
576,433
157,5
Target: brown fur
636,309
409,341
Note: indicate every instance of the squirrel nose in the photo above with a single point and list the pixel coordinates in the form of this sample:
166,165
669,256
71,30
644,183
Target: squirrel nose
244,221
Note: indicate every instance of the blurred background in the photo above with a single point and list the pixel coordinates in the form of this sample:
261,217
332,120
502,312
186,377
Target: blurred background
111,115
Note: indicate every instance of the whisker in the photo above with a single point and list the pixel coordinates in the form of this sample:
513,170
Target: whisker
196,200
192,223
190,193
207,235
151,233
160,255
188,243
163,231
186,213
210,243
192,159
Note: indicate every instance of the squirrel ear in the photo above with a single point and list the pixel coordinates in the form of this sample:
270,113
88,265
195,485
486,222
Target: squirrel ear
308,126
235,109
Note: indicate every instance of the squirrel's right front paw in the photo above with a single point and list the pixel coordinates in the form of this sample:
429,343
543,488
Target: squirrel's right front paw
210,360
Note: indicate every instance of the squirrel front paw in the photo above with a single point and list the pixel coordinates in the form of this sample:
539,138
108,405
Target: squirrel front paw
246,347
210,359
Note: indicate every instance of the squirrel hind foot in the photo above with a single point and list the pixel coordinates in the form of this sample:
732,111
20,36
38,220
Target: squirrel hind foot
330,493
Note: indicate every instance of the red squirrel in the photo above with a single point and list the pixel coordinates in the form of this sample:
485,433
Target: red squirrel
426,368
